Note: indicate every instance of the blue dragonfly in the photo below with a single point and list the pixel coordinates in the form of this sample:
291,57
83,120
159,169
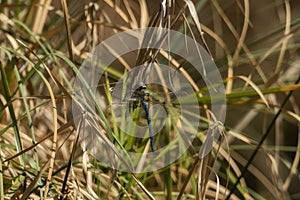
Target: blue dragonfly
141,98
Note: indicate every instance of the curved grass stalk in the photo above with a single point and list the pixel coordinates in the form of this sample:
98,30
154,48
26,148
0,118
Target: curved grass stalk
54,110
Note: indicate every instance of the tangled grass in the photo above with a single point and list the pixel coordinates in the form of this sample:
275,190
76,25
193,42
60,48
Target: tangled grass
255,46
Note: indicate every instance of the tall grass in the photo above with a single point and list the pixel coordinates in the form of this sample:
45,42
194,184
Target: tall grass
255,46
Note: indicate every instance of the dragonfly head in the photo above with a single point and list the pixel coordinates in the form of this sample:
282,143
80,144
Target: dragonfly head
142,86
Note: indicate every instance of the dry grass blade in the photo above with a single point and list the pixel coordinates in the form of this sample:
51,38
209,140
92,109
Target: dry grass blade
244,31
143,187
191,171
134,23
198,50
68,28
218,40
118,10
296,160
36,17
144,13
286,33
194,15
254,86
239,46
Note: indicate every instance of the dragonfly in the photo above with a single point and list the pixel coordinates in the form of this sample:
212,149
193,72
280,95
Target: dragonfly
142,98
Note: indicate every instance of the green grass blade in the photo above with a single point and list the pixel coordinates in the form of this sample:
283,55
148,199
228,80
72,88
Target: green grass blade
8,98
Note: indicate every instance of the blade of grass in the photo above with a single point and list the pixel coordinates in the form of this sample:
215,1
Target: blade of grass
254,86
19,23
118,10
12,112
37,15
191,171
239,46
144,13
293,168
133,20
167,171
53,149
235,96
69,165
68,28
196,20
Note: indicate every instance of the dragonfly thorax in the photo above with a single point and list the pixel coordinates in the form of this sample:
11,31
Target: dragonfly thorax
140,96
